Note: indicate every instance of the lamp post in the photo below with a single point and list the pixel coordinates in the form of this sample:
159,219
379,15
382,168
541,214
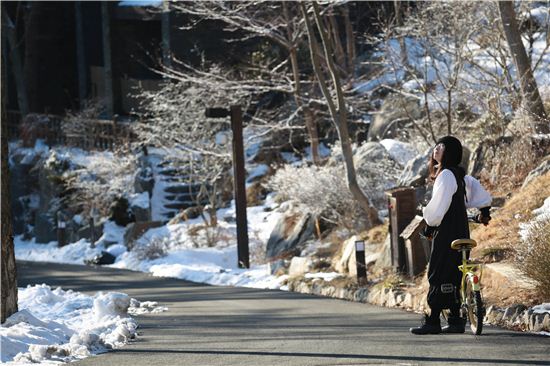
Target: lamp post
93,218
239,177
61,227
360,260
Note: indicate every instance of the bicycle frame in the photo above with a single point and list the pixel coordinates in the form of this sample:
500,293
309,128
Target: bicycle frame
469,274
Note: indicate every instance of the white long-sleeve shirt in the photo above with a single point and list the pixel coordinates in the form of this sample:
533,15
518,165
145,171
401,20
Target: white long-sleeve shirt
444,188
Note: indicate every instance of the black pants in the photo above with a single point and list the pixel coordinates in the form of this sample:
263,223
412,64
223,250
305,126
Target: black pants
436,312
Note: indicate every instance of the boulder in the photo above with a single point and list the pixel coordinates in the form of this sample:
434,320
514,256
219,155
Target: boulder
416,171
299,266
139,206
287,238
120,212
136,229
144,181
278,267
400,152
102,259
541,169
45,229
347,264
394,115
85,233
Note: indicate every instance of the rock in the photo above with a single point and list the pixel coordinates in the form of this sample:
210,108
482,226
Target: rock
546,323
346,263
416,171
287,238
85,232
120,212
144,181
45,229
136,229
140,207
384,259
188,214
400,152
512,312
102,259
278,267
299,266
542,169
394,115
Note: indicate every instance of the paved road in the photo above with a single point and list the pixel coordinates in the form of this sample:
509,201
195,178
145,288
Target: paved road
208,325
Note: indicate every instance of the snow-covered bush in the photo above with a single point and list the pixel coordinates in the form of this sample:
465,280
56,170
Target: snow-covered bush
155,248
77,124
453,58
324,190
533,252
100,179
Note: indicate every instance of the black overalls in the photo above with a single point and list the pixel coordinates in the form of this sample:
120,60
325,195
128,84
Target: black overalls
443,274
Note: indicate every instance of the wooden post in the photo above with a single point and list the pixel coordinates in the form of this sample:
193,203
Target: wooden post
401,210
239,176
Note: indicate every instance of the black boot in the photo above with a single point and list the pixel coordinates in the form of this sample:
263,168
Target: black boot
456,325
430,325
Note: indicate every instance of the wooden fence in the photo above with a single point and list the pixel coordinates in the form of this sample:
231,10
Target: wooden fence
92,134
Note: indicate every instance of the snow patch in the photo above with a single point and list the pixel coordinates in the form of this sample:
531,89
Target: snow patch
57,326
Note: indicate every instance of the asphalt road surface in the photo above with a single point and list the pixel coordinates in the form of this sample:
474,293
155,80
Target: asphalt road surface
209,325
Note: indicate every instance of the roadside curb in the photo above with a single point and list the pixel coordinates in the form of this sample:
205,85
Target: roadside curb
515,317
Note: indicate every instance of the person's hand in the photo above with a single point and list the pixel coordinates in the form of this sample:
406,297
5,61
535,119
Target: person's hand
484,216
483,219
428,232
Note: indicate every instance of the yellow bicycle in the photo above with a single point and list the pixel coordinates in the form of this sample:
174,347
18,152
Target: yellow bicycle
472,306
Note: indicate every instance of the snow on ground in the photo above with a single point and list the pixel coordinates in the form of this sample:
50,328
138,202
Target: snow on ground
54,326
206,255
189,256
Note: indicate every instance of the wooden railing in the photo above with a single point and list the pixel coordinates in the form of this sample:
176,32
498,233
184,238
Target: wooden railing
96,134
101,134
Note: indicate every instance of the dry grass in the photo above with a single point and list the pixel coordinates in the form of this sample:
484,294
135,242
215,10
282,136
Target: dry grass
503,231
534,254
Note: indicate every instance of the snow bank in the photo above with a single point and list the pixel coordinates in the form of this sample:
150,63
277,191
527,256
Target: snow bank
74,253
56,326
215,265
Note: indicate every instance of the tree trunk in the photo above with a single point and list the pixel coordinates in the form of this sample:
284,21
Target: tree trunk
399,23
311,125
338,110
80,56
350,41
8,27
339,54
530,92
165,24
107,62
8,301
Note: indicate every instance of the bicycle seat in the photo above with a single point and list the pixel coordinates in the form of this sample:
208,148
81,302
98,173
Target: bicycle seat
463,244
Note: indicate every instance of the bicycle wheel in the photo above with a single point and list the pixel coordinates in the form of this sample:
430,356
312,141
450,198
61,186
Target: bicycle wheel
476,311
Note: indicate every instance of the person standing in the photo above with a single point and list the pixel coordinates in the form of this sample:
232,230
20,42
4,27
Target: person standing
447,220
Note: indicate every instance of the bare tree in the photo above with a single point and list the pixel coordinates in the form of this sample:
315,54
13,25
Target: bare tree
8,27
531,97
336,107
8,298
278,22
